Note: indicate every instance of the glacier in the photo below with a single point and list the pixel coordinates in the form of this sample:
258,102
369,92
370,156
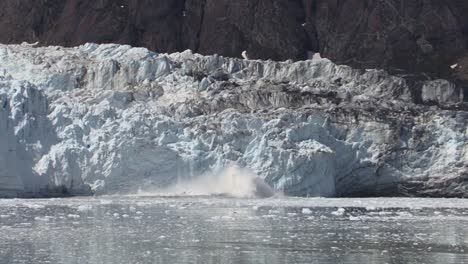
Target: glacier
114,119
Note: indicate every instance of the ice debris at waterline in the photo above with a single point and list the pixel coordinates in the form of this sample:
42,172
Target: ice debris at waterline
110,119
231,182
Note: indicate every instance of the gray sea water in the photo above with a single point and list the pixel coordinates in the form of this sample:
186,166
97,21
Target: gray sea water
226,230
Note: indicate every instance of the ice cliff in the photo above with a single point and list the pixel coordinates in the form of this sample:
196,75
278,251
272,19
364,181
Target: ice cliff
115,119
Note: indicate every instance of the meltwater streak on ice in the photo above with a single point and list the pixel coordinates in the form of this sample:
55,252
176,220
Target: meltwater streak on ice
232,181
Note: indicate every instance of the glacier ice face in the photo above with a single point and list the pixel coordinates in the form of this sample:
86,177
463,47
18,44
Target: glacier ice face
116,119
27,137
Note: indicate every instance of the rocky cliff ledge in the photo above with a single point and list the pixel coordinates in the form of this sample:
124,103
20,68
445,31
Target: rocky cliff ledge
110,118
399,35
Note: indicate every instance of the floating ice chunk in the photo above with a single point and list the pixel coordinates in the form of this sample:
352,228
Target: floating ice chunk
25,224
385,213
269,216
73,216
405,214
84,208
35,206
339,212
42,219
214,218
306,211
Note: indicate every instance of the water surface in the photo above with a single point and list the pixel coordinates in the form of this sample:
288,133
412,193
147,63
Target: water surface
223,230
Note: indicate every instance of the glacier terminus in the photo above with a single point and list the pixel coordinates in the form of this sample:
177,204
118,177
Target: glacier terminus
113,119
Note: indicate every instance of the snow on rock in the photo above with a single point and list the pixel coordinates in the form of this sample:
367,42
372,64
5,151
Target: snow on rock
115,119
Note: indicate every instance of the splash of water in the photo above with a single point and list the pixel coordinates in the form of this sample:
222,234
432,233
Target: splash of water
233,181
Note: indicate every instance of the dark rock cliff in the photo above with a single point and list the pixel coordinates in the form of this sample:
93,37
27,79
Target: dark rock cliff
405,36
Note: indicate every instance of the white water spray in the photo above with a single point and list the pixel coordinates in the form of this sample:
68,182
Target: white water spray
233,181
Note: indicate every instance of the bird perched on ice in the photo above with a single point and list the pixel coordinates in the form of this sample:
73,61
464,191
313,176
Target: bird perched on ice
244,55
316,56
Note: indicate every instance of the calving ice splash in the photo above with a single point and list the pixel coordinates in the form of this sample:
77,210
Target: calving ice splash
233,181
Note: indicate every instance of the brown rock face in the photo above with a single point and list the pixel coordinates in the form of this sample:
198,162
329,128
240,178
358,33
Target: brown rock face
265,28
152,24
28,20
411,36
155,24
461,69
